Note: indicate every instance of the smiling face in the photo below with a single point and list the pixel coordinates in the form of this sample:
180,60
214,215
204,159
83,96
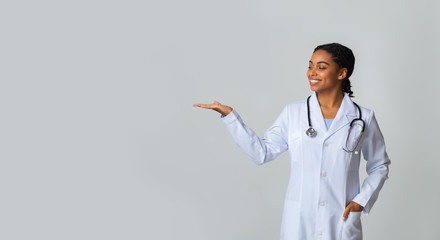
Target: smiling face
324,74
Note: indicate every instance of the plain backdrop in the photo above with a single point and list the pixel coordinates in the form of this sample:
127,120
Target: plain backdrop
99,139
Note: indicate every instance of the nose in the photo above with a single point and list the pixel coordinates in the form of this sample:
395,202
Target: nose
312,71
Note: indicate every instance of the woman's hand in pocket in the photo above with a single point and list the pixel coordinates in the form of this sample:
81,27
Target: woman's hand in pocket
351,207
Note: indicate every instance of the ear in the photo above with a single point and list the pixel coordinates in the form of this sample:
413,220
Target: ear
342,73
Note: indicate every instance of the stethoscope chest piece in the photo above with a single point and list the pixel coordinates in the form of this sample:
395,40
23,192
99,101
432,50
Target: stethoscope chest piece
311,132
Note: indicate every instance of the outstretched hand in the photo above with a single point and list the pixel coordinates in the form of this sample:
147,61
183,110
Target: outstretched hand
351,207
216,106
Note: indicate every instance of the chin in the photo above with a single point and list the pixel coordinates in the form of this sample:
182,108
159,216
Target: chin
314,89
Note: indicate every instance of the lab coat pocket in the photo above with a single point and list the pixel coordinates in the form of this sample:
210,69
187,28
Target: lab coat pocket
352,227
295,146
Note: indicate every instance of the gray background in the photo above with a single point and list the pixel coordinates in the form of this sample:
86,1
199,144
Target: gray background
99,139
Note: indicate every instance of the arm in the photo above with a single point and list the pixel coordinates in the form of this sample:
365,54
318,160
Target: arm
260,150
374,152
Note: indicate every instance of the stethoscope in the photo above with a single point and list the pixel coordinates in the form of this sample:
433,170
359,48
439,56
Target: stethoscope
311,132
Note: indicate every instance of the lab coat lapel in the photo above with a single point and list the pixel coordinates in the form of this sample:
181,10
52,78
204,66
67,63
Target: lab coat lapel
346,113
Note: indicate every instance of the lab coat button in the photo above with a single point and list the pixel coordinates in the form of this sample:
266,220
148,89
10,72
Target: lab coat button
320,233
325,144
322,204
324,174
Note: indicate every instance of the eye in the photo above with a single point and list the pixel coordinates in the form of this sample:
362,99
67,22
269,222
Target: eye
322,67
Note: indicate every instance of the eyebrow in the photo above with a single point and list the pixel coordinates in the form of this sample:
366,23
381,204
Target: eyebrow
320,62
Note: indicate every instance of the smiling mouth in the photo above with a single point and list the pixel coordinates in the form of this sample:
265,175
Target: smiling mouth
314,81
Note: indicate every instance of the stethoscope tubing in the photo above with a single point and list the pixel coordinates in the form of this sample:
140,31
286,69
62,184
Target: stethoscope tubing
311,132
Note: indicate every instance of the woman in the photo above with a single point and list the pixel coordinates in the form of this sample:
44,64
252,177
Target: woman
324,135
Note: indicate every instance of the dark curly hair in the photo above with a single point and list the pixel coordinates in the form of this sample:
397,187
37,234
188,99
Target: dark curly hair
344,57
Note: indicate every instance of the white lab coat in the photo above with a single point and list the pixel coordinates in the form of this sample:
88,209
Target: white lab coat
324,178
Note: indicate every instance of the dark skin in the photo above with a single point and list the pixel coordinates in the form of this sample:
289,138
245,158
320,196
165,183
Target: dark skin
325,78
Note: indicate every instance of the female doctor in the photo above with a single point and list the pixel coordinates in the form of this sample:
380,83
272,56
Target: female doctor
324,135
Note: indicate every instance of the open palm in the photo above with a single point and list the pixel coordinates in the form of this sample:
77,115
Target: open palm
216,106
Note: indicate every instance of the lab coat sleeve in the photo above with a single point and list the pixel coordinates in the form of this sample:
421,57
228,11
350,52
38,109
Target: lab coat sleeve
374,152
260,150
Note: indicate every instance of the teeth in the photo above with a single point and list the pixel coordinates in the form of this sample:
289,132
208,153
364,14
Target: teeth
314,81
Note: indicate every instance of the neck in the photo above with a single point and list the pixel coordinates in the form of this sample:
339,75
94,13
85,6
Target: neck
330,100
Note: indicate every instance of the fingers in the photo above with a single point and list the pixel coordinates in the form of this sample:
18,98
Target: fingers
346,212
200,105
207,106
351,207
